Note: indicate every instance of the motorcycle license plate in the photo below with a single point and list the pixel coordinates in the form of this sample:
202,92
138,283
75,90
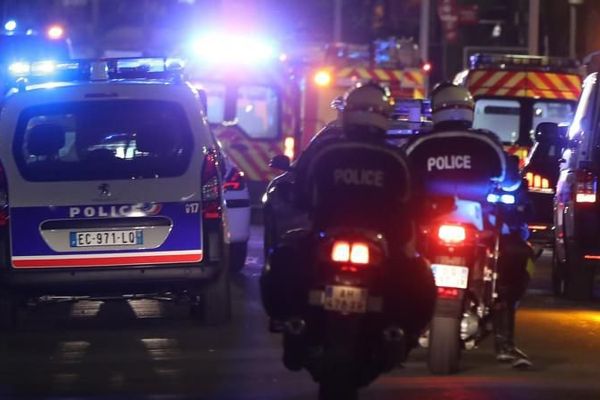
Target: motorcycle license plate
451,276
345,299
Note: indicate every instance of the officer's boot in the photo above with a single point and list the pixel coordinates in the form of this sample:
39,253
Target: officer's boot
504,332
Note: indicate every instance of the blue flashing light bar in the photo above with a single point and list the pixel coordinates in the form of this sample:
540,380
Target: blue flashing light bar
523,62
505,198
124,68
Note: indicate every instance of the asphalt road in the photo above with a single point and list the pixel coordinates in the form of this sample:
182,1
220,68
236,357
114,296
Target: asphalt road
151,349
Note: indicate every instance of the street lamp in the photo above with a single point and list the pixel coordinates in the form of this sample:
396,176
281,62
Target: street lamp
573,27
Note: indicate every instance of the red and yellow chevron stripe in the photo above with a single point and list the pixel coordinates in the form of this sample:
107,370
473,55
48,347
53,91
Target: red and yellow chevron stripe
399,80
250,155
533,84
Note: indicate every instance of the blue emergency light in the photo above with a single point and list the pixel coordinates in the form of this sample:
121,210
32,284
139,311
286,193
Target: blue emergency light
115,68
505,198
523,62
217,48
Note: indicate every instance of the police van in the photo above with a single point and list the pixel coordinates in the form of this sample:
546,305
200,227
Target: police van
111,184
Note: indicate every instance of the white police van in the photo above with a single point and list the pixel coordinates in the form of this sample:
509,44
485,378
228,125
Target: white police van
112,184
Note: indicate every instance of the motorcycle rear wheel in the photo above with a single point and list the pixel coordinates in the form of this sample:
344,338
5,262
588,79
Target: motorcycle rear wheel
337,389
444,345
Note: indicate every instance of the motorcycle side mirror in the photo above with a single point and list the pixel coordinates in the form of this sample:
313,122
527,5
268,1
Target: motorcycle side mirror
281,162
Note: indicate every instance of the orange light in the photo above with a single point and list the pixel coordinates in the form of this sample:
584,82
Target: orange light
288,147
591,257
359,253
538,227
585,198
529,177
545,183
322,78
452,233
340,252
537,181
56,32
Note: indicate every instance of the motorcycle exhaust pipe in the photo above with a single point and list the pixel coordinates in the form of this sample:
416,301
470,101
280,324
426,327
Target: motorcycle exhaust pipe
295,326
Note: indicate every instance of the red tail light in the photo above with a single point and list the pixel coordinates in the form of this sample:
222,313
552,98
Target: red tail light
3,197
354,253
452,234
234,180
448,293
587,183
211,190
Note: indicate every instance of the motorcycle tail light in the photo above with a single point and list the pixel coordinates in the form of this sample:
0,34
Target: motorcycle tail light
350,252
340,252
452,234
448,293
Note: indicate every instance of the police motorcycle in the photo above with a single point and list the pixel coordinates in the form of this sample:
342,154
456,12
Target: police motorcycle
462,220
349,294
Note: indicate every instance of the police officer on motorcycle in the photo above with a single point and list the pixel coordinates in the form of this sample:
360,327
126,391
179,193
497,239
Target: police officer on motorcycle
351,180
452,112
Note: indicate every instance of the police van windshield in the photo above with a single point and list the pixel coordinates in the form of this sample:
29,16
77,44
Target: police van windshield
255,108
103,140
504,117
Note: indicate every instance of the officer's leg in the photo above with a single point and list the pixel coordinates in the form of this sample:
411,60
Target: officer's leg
512,284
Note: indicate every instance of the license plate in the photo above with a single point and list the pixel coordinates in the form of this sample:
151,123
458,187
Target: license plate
451,276
106,238
345,299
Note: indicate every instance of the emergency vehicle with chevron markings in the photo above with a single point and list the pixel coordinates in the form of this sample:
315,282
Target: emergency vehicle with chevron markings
331,71
513,95
252,100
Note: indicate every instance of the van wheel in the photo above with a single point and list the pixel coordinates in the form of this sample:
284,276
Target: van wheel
558,275
213,305
237,256
579,277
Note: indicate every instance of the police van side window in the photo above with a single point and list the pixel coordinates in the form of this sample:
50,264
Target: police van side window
215,96
499,116
105,140
258,111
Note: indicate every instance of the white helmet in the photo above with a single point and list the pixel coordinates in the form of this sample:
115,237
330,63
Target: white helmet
452,104
367,110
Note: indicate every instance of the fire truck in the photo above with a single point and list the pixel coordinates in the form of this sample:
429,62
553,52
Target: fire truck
263,101
333,69
513,95
252,98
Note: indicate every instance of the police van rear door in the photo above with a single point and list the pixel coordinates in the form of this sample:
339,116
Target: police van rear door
114,182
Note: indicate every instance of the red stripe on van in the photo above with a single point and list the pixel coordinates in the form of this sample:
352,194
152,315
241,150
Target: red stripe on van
108,261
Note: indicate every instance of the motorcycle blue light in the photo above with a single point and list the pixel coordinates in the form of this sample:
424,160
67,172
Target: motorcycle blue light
504,198
507,199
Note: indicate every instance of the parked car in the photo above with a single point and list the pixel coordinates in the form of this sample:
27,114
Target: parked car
237,207
576,203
